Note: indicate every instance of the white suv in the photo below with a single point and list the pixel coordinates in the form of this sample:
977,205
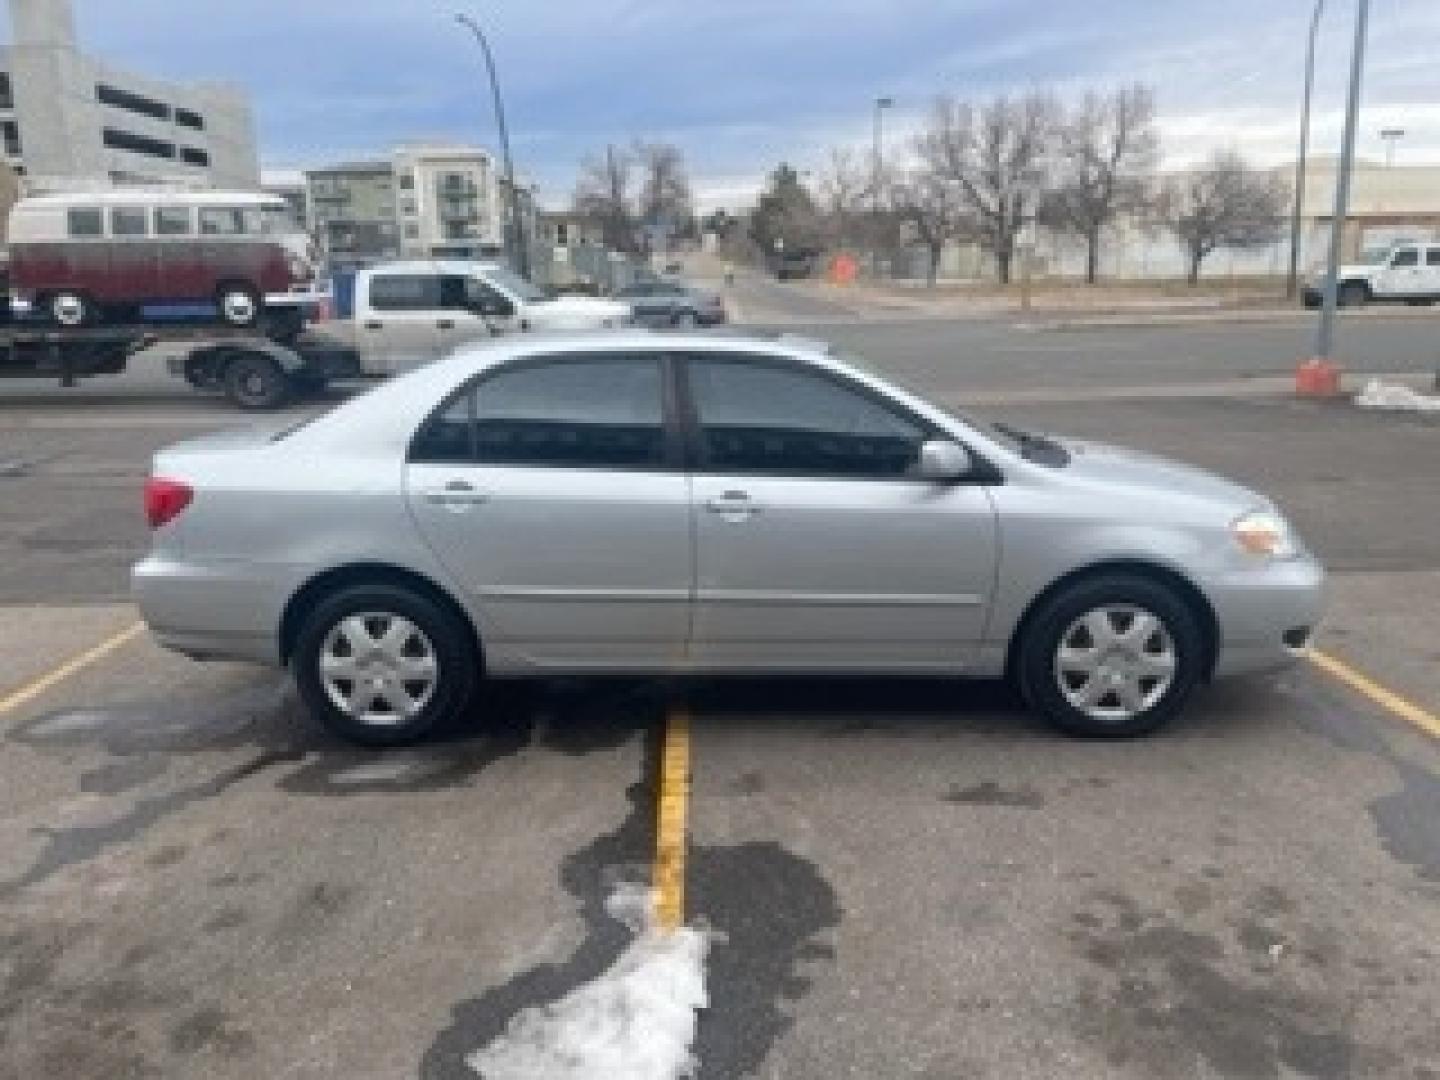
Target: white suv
1407,273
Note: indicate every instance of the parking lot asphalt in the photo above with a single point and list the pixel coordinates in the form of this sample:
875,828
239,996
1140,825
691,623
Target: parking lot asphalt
905,879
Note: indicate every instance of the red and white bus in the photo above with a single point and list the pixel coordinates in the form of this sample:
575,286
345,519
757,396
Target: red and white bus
87,257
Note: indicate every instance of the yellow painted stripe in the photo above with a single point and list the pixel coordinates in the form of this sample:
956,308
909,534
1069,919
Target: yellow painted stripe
32,690
669,876
1426,721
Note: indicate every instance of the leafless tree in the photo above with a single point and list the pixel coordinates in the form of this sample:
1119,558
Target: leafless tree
665,203
1224,203
930,198
996,155
604,194
1105,152
845,188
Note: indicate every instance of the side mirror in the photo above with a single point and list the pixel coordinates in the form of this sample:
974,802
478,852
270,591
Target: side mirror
943,461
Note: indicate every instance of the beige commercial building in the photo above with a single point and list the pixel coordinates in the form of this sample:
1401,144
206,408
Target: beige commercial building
67,119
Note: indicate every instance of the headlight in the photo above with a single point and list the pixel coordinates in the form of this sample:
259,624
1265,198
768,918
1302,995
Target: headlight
1263,532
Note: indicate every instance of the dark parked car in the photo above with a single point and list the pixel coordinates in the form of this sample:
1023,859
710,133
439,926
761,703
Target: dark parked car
670,303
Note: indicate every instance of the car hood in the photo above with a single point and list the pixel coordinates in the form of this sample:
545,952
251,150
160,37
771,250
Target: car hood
1353,270
582,305
1119,465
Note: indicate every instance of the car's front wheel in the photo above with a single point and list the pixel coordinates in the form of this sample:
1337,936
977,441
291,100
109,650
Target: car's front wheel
1111,656
384,665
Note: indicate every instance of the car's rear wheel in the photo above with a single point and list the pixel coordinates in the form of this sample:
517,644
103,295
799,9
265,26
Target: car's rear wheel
1111,656
254,381
384,665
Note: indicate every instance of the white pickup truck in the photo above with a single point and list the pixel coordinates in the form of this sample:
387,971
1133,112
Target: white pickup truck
1407,273
404,314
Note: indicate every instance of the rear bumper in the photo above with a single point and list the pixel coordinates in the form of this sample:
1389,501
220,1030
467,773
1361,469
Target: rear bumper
1267,616
228,610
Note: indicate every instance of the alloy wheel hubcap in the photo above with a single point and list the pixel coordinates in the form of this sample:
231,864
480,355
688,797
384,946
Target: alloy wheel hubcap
378,668
1115,662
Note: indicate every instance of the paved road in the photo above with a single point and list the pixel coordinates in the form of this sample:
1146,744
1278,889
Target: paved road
912,880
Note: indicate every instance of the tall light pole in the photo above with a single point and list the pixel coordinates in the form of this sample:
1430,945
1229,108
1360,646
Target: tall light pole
1292,281
519,250
1325,337
877,177
1391,136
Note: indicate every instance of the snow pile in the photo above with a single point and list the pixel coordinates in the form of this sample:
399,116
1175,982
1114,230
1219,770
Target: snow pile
635,1022
1388,396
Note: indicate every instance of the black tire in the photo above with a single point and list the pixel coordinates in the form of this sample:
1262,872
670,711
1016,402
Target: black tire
1353,294
203,373
70,309
240,305
255,382
1036,656
456,661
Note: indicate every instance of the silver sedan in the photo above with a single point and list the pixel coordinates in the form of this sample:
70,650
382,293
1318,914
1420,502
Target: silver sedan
691,503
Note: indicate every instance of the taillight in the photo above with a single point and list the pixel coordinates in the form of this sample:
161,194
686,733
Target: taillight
164,499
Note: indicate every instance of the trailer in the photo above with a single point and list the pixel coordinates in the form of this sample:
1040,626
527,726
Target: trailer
252,370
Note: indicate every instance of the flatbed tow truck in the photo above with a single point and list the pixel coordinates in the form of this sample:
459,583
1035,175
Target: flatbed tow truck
254,368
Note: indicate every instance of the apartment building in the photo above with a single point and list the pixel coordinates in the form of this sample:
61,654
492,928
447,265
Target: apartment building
68,119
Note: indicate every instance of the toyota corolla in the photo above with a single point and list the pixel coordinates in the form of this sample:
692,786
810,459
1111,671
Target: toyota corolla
687,503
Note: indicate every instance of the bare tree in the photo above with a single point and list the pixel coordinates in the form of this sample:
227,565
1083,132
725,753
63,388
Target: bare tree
930,198
603,194
846,184
1105,151
1224,203
665,202
996,155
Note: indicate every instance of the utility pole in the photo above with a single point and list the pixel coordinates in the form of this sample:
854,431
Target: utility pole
518,249
1325,336
1292,281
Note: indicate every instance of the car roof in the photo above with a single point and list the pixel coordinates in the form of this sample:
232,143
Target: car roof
432,266
482,354
158,196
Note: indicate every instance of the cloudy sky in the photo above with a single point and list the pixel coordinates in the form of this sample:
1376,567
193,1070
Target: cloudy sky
741,84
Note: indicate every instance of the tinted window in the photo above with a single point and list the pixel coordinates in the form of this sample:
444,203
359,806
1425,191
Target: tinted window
1432,257
405,292
459,293
172,221
1406,257
757,417
85,221
128,221
591,412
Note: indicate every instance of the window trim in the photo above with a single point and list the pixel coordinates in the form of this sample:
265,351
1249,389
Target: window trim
673,440
985,472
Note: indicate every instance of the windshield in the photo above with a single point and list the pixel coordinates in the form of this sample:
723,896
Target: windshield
514,284
1374,256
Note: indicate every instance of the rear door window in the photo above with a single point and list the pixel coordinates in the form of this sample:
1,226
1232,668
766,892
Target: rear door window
1432,257
1406,257
84,222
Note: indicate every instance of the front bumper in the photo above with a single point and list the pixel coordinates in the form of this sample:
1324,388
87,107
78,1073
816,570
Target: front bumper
1267,615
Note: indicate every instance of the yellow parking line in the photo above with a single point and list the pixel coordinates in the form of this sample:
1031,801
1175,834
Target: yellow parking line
672,805
31,690
1426,721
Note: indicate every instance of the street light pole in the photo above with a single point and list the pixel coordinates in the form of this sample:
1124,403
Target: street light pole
1325,337
881,104
519,250
1292,281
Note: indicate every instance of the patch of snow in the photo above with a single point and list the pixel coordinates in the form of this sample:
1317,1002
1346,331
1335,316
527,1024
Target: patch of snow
635,1022
1393,398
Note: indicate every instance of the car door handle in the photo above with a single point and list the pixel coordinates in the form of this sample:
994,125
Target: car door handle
457,496
374,326
444,324
734,504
